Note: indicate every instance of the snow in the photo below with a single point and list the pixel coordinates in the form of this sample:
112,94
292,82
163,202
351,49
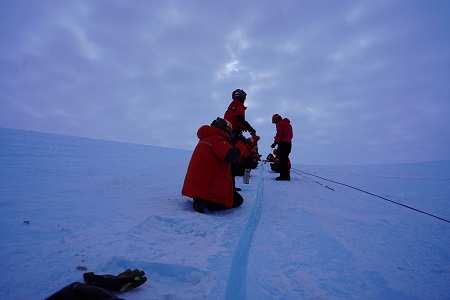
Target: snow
70,202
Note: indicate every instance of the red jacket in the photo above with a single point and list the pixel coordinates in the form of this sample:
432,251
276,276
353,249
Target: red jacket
234,109
284,131
208,176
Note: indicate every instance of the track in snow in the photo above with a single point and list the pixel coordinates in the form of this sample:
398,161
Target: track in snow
237,281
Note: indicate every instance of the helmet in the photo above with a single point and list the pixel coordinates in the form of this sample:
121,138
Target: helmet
239,95
276,118
224,125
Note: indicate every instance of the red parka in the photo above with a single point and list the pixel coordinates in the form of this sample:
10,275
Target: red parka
284,131
235,108
208,176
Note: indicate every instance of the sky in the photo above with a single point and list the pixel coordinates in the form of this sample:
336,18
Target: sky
71,205
363,82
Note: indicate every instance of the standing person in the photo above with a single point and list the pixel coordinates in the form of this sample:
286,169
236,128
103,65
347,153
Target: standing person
283,139
235,114
208,178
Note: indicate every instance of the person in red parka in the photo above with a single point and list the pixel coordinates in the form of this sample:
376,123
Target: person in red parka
283,139
208,178
235,114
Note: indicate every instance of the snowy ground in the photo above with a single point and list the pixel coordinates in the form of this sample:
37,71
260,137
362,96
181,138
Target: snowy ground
67,202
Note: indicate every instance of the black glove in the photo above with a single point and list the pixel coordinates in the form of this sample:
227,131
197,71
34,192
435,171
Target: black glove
243,139
252,131
126,280
273,145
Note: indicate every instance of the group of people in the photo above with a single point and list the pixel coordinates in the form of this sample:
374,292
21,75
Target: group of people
223,153
250,158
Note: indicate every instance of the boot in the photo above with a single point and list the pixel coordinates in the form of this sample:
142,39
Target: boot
199,205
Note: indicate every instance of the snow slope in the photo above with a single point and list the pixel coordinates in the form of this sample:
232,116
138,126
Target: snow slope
69,202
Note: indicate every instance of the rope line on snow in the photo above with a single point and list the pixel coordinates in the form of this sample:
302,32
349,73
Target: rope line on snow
297,172
395,202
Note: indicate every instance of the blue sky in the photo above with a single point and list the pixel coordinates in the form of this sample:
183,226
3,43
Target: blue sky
363,82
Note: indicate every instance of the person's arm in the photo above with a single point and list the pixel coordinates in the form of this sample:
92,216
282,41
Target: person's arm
279,133
245,124
235,153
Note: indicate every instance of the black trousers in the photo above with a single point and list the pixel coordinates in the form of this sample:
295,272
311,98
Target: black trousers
283,151
237,201
234,166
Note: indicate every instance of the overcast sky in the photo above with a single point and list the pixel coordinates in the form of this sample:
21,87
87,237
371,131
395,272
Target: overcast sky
363,82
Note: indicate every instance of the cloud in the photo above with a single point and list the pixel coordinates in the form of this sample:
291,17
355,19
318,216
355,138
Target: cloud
355,76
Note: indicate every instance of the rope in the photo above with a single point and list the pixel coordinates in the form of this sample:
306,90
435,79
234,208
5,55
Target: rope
398,203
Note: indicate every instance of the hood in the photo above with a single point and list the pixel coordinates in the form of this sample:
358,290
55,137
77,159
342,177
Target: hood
206,131
286,120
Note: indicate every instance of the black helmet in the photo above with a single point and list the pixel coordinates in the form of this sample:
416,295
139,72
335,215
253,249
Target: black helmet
276,118
223,124
239,95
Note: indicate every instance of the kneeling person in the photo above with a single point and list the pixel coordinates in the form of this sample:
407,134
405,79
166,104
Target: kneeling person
208,178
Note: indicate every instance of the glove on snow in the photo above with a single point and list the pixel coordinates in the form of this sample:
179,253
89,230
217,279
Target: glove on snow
126,280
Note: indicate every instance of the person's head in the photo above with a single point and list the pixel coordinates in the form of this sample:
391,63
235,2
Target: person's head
276,118
239,95
224,125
